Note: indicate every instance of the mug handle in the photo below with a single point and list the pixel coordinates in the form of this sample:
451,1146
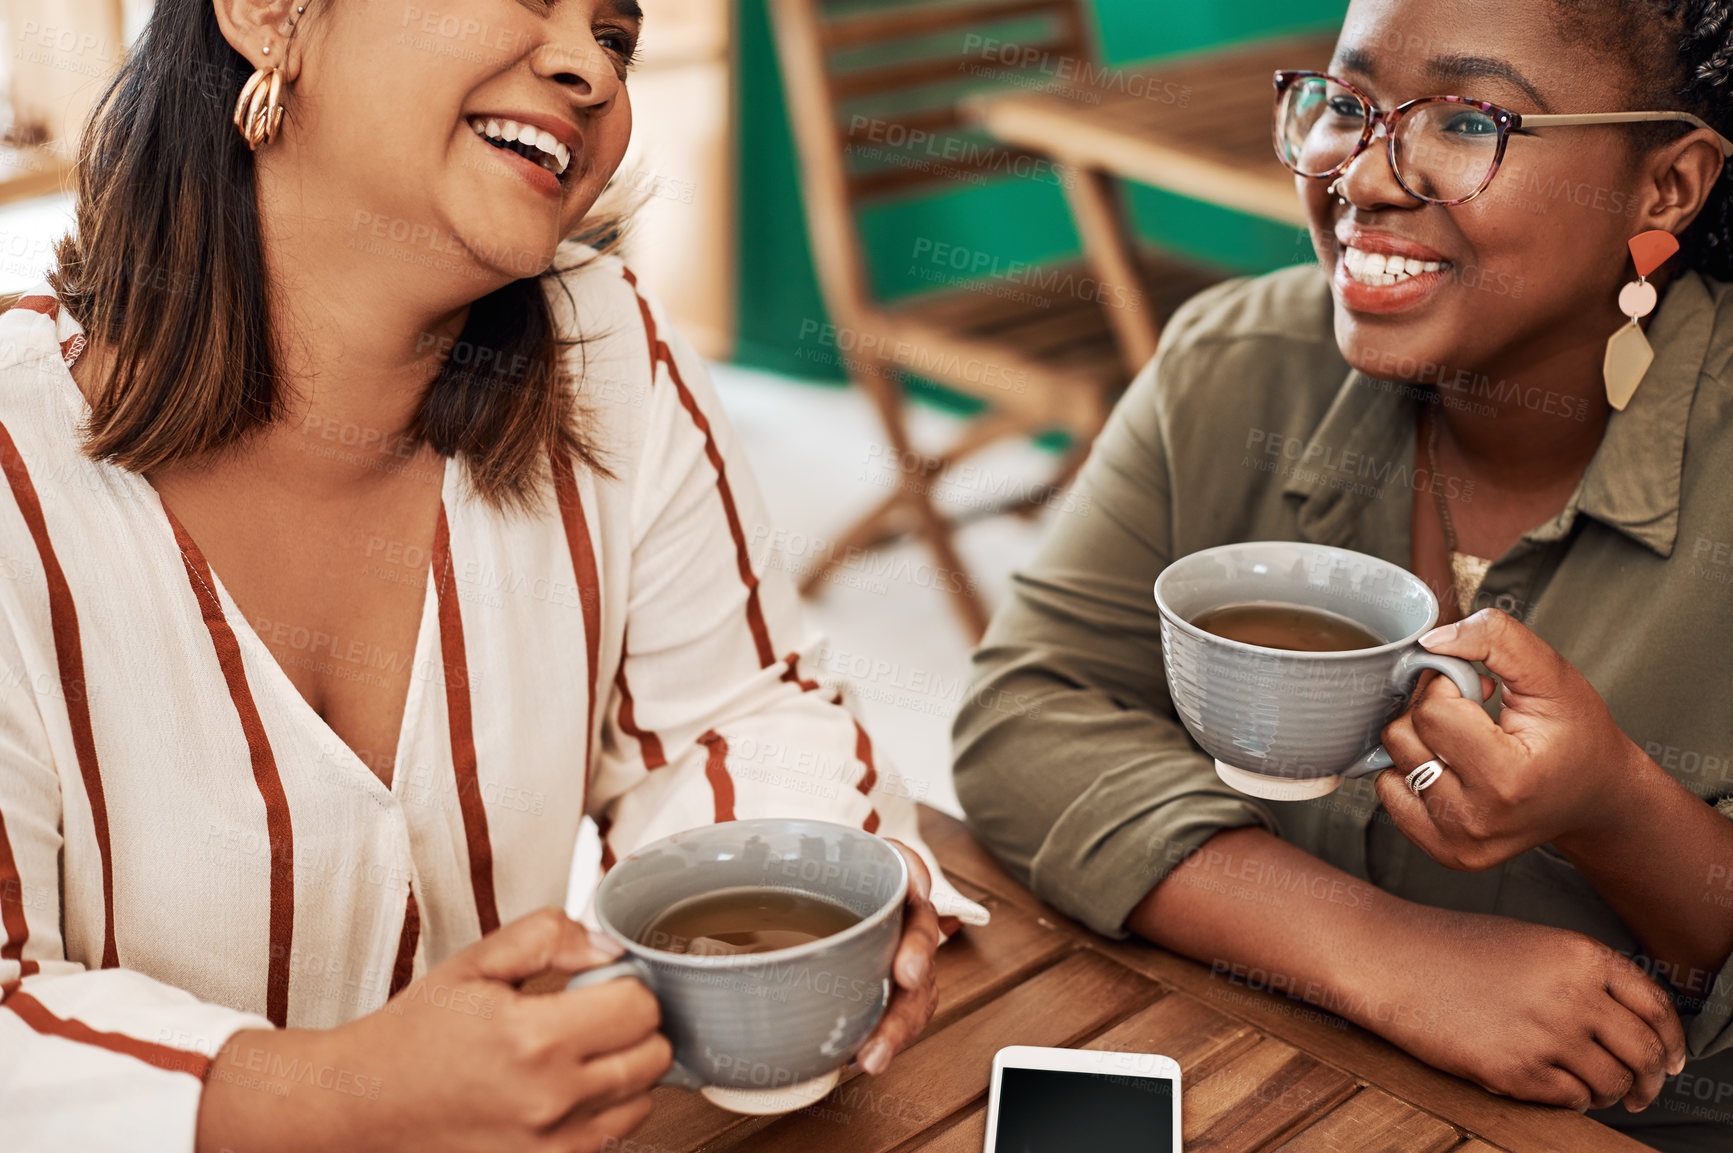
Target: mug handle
677,1075
1464,675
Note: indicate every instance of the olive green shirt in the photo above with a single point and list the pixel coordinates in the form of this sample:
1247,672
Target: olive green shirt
1249,425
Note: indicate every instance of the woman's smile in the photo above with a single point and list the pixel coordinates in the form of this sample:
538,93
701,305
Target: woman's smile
541,149
1380,272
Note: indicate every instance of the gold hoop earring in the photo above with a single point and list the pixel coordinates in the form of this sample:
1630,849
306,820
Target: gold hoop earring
259,110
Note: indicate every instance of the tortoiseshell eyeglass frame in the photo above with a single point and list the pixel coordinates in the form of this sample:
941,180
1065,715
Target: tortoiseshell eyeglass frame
1506,120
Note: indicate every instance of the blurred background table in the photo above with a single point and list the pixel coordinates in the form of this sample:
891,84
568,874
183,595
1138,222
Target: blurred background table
1199,126
1261,1072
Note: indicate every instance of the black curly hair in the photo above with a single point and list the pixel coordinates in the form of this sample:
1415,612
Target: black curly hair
1681,58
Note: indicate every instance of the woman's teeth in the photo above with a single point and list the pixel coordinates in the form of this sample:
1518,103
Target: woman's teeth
525,140
1382,270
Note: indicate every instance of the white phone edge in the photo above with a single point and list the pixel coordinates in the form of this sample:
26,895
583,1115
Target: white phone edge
1151,1065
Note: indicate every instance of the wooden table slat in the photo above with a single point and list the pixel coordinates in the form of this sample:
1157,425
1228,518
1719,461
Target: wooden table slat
1184,1028
1372,1121
981,961
968,1135
1270,1090
947,1071
1196,1036
1225,130
1378,1124
1228,180
1214,147
1518,1125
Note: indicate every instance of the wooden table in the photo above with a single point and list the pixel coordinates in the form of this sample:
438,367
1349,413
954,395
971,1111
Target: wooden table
1260,1072
1198,126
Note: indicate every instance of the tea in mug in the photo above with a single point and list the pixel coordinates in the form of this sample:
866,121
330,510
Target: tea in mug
1274,625
734,921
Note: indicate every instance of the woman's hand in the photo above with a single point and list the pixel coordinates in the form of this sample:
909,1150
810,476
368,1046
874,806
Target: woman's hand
1528,1011
1552,765
462,1059
917,990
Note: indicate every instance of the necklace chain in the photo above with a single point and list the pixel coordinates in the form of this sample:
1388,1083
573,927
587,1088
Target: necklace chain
1437,491
1466,572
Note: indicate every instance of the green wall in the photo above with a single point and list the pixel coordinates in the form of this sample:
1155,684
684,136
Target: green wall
1019,220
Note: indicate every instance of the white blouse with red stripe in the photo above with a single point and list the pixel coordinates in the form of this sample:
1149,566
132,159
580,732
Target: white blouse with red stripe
187,849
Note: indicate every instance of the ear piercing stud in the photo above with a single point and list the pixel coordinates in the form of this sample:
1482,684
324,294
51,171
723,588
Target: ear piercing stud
259,111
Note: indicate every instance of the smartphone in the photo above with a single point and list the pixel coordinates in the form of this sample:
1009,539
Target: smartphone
1064,1100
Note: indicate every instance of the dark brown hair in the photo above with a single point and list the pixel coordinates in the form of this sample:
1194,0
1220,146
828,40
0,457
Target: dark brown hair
1680,57
166,269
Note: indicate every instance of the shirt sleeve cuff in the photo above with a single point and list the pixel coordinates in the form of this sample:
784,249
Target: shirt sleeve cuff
1118,840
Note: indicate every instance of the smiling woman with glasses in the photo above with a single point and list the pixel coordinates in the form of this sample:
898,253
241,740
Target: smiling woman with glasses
1510,370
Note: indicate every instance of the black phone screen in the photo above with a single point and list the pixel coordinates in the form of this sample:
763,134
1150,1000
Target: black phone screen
1054,1111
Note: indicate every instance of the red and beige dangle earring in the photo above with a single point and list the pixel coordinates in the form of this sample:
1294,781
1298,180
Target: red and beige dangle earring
1628,351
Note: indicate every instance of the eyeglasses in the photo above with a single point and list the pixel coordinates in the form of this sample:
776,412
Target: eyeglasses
1443,149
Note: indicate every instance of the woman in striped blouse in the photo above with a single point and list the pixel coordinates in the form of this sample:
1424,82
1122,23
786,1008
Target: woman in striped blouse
362,537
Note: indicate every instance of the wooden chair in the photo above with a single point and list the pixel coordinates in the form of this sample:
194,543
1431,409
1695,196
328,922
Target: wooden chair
863,82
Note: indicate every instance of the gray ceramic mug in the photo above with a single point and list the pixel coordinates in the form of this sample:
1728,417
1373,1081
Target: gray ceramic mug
761,1032
1291,725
